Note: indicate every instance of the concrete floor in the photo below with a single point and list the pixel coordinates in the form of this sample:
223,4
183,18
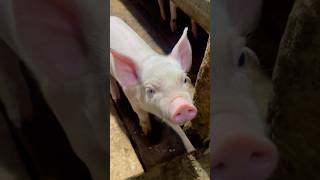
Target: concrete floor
124,162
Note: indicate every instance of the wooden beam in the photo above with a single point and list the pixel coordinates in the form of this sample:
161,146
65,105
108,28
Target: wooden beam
198,10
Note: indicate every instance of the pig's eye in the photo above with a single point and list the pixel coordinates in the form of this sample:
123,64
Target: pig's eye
241,60
150,91
186,80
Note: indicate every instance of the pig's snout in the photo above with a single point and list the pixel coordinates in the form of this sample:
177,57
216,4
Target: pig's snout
244,156
181,111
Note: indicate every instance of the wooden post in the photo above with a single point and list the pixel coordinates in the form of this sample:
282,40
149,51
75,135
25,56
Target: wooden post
200,125
294,110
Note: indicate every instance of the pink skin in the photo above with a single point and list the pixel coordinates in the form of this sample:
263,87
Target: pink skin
240,150
181,111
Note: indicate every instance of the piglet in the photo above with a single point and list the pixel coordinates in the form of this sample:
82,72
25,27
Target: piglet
240,147
153,83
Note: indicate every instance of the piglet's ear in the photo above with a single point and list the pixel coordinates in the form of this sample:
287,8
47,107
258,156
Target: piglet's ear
182,51
125,69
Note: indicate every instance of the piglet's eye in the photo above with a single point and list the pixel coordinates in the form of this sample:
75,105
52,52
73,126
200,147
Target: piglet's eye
241,60
150,91
186,79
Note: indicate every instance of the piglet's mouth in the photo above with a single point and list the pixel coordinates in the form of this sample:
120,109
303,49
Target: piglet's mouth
181,111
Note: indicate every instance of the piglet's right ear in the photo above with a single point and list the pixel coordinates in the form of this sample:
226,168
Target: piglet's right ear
125,69
182,51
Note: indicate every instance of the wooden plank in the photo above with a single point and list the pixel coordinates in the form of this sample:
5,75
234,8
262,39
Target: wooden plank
201,98
294,110
199,10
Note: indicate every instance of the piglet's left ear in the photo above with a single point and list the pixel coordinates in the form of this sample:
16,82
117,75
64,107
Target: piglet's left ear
182,51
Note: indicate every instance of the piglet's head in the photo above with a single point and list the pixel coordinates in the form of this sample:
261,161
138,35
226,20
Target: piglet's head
181,108
165,90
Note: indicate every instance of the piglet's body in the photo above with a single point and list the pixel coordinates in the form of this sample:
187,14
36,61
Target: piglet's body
153,83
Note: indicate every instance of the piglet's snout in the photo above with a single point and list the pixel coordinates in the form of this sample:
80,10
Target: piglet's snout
181,110
244,156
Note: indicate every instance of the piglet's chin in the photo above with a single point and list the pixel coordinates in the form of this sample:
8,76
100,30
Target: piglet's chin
181,111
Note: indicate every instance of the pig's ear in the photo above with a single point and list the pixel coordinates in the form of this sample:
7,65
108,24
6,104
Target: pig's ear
182,51
125,69
244,14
